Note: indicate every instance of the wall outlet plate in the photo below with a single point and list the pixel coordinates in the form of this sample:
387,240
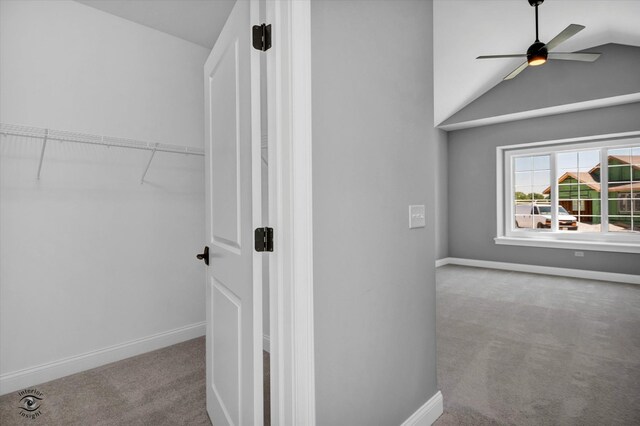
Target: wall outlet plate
417,216
578,253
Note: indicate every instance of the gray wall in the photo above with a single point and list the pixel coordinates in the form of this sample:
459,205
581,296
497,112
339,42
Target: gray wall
442,196
472,191
373,155
560,83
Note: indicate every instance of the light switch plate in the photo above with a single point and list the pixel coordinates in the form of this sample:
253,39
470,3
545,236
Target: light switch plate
416,217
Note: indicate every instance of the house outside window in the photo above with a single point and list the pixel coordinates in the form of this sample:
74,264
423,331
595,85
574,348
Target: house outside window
581,193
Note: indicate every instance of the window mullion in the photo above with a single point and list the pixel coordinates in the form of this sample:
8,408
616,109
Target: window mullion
508,194
554,192
604,191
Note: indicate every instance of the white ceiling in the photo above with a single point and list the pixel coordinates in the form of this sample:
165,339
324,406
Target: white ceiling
197,21
464,29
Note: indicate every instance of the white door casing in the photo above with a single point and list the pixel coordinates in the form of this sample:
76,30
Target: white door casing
291,213
233,210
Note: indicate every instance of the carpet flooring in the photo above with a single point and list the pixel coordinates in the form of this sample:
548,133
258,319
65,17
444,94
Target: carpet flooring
513,349
163,387
526,349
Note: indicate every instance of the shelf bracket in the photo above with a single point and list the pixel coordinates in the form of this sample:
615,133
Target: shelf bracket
148,164
44,146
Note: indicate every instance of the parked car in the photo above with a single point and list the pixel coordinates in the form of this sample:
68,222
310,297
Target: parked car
539,216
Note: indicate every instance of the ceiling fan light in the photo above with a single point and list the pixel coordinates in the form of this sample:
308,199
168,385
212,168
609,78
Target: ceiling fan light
534,62
537,54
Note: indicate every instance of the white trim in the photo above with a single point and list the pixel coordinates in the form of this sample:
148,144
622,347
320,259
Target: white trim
266,343
10,382
569,244
604,189
442,262
553,185
598,241
302,191
428,413
545,270
543,112
256,201
501,177
290,196
592,138
277,213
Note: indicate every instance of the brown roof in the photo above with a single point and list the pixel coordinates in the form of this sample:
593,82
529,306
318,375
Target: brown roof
583,177
623,188
586,179
635,160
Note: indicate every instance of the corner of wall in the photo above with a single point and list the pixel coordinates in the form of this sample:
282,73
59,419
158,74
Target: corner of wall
442,194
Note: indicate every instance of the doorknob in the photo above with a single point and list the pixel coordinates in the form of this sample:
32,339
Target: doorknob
204,255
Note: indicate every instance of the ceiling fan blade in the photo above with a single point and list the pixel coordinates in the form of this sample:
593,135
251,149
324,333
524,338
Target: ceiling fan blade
584,57
520,55
517,71
565,35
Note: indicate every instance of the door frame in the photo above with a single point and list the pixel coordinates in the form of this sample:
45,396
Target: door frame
290,213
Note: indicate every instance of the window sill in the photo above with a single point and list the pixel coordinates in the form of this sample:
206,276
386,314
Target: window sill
569,244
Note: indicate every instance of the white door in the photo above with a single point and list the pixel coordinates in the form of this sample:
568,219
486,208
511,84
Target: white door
234,280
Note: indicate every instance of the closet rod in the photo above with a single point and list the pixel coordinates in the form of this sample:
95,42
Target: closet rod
65,136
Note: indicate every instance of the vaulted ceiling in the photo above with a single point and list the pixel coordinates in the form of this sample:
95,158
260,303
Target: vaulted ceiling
464,29
197,21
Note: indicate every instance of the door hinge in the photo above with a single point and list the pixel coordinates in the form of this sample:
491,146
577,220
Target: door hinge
264,239
262,37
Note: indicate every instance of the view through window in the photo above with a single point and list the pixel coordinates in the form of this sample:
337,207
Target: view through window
574,181
624,189
532,174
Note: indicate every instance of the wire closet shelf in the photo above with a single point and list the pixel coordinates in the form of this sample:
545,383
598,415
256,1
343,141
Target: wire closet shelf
85,138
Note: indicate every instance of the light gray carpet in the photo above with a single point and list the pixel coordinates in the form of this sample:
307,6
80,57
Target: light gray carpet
164,387
513,349
525,349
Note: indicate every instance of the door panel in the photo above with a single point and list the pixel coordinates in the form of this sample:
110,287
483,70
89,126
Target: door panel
226,320
225,149
233,191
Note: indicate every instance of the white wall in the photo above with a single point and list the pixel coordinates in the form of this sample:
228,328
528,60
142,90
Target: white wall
374,151
89,257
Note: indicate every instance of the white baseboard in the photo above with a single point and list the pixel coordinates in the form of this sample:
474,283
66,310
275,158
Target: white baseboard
546,270
428,413
442,262
27,377
266,343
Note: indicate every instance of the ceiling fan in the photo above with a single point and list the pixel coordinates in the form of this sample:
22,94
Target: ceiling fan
538,53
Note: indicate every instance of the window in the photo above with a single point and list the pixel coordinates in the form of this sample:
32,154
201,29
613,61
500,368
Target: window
571,194
624,204
531,175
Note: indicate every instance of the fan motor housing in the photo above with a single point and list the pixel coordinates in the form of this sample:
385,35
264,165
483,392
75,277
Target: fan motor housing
537,53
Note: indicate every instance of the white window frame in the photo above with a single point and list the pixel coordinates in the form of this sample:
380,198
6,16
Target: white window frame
508,234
